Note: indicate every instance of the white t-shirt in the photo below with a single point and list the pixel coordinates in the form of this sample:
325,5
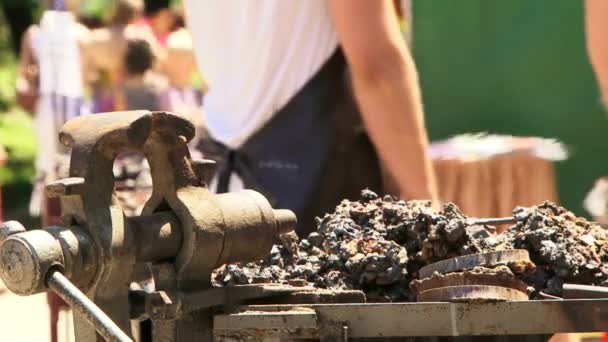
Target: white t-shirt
56,47
255,56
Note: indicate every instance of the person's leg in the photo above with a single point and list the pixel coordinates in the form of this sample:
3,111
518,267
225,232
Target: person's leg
54,308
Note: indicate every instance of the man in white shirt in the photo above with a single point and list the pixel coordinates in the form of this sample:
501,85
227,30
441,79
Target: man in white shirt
278,106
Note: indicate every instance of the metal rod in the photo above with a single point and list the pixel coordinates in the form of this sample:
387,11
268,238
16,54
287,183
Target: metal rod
493,221
577,291
92,313
543,295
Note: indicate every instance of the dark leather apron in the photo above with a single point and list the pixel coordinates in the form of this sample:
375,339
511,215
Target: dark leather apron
312,154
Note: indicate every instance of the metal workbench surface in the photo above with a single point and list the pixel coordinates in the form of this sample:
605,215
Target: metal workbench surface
414,319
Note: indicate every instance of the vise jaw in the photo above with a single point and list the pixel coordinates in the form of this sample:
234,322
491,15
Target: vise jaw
184,232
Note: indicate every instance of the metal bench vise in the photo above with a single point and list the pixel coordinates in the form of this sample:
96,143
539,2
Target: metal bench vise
184,233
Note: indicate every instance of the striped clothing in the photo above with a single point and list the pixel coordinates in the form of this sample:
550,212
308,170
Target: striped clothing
55,45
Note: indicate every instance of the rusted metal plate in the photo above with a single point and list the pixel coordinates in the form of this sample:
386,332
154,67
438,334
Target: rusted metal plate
259,324
471,293
314,296
418,319
468,278
170,305
179,303
471,261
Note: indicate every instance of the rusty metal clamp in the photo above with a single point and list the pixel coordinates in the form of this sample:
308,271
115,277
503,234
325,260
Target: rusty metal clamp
185,231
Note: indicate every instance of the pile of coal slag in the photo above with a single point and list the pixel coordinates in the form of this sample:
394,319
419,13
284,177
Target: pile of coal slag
378,245
564,247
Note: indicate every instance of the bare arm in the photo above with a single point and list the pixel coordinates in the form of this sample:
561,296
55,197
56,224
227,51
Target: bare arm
27,74
596,22
26,55
387,90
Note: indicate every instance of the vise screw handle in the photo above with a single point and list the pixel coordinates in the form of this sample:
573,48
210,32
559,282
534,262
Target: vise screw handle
91,312
54,279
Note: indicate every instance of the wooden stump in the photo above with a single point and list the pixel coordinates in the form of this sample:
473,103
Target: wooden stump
493,187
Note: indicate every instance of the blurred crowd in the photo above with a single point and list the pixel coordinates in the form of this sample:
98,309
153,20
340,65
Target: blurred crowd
138,57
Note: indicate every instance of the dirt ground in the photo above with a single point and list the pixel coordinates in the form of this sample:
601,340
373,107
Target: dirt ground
27,318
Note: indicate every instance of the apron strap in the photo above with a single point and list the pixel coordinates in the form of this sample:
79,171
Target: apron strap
231,162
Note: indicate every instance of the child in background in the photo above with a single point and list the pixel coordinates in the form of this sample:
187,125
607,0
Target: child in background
106,49
138,90
132,178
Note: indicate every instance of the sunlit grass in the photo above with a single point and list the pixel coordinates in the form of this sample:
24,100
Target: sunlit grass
17,137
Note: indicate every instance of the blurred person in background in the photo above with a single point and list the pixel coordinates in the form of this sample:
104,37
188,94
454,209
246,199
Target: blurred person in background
50,84
131,171
181,71
182,95
280,109
106,50
132,179
135,92
159,18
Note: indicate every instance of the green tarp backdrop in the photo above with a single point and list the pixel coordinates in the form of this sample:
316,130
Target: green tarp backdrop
514,67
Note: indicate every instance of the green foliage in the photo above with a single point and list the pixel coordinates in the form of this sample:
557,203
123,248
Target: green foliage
514,67
17,136
8,70
16,133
